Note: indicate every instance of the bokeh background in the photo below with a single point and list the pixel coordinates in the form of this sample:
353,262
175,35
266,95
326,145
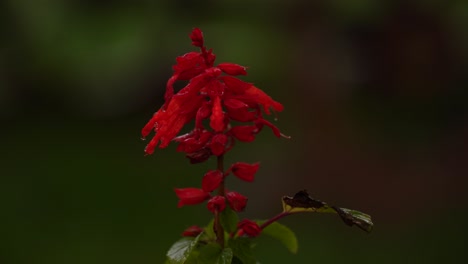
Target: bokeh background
376,103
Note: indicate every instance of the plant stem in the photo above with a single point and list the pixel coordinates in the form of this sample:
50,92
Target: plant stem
221,192
274,219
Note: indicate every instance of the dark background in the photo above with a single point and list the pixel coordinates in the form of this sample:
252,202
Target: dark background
376,103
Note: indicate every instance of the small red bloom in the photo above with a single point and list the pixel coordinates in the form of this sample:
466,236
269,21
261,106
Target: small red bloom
197,37
190,196
232,69
237,201
249,227
216,204
212,180
192,231
245,171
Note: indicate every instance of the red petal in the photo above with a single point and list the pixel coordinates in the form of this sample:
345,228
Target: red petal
245,171
244,133
218,144
232,69
261,98
276,130
236,201
235,85
217,116
190,196
211,180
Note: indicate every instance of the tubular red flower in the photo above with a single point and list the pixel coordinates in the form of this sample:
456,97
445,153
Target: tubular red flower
197,37
237,201
211,180
235,85
191,196
249,227
244,171
192,231
232,69
217,116
216,204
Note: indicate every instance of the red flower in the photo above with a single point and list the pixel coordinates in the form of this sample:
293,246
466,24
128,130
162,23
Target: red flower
244,171
236,201
204,97
190,196
192,231
216,204
212,180
249,227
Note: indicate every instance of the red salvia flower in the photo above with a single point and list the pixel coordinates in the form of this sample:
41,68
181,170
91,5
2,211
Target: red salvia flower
244,171
204,97
212,180
216,204
191,196
192,231
248,227
237,201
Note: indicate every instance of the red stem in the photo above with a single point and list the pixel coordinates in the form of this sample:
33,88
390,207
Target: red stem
274,219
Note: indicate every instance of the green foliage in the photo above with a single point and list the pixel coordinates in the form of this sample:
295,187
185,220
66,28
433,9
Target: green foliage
181,250
242,249
229,220
283,234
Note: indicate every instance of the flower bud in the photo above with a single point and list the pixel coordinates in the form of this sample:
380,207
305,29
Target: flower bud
249,227
216,204
190,196
211,180
192,231
244,171
237,201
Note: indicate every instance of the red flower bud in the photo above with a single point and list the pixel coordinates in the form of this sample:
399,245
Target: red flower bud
212,180
192,231
197,37
236,201
249,228
218,144
216,204
244,171
190,196
232,69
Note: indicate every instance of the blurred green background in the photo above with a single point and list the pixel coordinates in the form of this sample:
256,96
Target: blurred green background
376,102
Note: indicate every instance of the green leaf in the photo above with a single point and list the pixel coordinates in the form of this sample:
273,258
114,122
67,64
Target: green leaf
181,250
226,256
283,234
208,232
242,249
229,220
302,202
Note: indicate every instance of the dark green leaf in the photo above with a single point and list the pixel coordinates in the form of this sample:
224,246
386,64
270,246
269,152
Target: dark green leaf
226,256
302,202
229,220
283,234
242,249
208,232
181,250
